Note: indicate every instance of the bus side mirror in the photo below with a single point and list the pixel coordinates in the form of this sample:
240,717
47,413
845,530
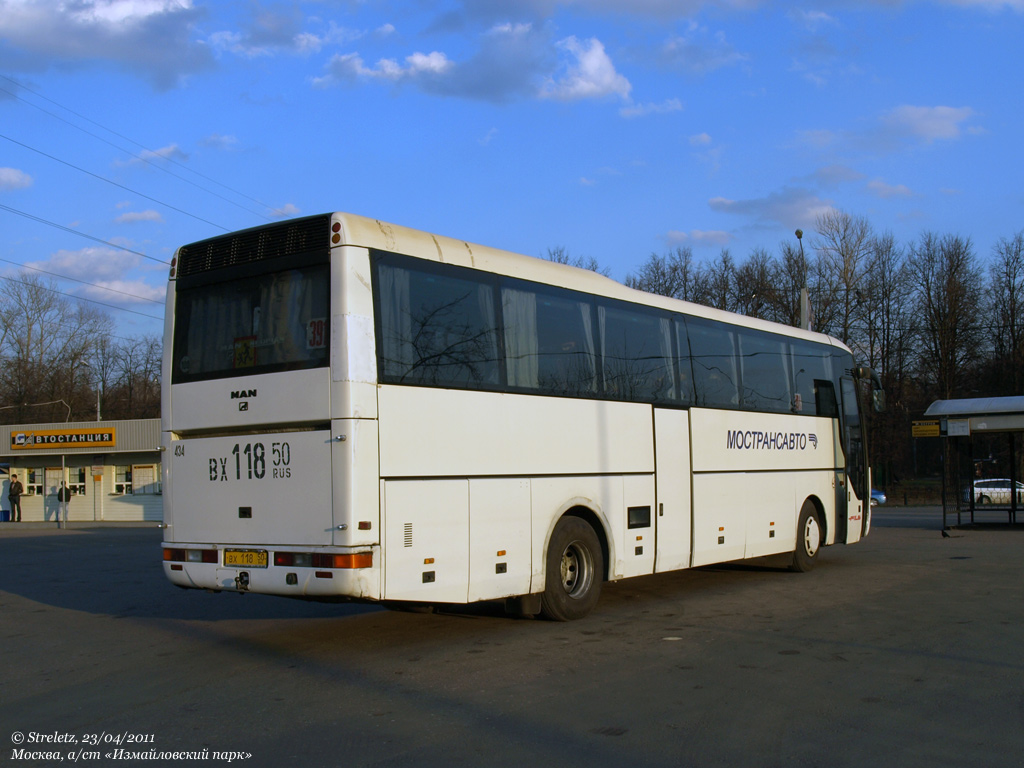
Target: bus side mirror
878,400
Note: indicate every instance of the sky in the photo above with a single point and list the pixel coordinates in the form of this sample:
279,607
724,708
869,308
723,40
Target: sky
614,129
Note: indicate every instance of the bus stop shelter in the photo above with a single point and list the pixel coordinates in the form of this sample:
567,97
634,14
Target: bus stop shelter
981,446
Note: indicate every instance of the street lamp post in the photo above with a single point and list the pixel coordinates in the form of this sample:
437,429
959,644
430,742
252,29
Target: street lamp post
806,320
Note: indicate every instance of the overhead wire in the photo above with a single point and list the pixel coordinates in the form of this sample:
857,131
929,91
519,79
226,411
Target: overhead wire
81,298
41,220
83,282
128,139
111,182
138,157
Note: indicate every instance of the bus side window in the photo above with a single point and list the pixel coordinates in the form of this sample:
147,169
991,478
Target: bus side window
811,364
437,329
713,355
636,349
825,398
549,341
764,363
684,363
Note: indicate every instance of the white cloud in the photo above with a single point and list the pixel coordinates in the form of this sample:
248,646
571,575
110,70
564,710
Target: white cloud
701,237
835,174
699,51
223,142
133,217
132,292
12,178
812,20
929,123
94,264
790,206
269,32
349,67
108,268
120,11
818,139
700,140
589,73
881,189
286,210
512,61
642,110
491,10
148,156
991,5
152,38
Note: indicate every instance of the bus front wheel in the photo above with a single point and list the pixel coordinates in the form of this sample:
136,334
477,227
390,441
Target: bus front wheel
574,570
809,535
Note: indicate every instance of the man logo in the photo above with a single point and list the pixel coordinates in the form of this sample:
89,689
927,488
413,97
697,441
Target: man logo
243,406
814,439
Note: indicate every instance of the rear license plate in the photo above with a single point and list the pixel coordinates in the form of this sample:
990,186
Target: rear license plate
246,558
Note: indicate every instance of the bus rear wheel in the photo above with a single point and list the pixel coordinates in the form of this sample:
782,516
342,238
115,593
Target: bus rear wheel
574,570
809,535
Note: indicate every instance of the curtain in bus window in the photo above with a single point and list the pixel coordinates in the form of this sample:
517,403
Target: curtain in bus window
550,342
268,322
684,364
208,342
397,353
636,354
290,321
566,363
712,355
519,311
437,329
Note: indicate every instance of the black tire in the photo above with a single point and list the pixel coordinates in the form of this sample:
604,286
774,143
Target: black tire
809,538
574,571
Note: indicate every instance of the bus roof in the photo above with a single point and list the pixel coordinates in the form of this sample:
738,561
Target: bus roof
380,235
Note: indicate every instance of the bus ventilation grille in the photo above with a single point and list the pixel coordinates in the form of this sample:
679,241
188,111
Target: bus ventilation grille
291,237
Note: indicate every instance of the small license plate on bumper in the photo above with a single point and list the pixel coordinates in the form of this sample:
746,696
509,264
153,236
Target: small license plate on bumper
246,558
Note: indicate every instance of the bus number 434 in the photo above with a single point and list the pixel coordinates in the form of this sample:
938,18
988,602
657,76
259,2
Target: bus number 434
250,461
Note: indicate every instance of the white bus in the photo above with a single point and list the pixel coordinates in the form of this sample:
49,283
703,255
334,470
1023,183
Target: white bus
354,410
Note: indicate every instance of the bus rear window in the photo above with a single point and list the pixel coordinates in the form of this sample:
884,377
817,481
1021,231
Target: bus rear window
278,321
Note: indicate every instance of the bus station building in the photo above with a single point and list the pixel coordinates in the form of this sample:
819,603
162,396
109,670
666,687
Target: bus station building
112,467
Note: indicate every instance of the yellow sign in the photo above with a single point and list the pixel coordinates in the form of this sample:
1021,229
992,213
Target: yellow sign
245,352
925,429
64,438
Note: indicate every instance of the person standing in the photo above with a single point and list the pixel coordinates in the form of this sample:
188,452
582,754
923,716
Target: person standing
63,497
14,492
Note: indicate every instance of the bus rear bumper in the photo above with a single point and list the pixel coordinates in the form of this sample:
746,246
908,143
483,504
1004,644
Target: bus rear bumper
340,573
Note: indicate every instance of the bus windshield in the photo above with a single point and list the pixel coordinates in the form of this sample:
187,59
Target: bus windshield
264,323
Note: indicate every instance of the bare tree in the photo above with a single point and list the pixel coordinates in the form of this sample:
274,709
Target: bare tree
756,285
671,274
135,389
843,246
887,345
791,276
560,255
948,289
1007,293
47,342
721,283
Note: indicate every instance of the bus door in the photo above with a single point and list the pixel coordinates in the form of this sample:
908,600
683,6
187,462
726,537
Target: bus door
855,503
673,525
